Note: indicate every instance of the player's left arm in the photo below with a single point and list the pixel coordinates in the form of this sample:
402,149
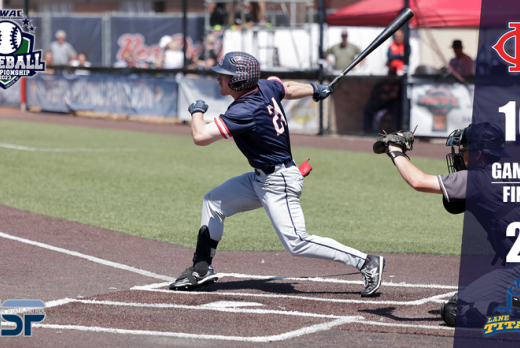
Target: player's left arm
203,133
415,177
297,90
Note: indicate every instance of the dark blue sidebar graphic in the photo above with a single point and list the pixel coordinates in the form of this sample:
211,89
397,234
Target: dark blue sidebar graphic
488,305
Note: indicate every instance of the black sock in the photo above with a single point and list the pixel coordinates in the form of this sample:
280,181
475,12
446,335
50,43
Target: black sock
201,268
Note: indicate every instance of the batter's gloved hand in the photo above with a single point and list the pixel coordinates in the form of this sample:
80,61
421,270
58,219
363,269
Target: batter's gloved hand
320,92
198,106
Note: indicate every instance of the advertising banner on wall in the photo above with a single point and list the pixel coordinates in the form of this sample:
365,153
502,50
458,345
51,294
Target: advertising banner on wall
141,36
302,115
438,108
131,95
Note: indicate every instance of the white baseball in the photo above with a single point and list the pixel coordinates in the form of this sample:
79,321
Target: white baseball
10,37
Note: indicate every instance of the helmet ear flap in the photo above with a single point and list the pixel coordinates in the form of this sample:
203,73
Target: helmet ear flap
235,84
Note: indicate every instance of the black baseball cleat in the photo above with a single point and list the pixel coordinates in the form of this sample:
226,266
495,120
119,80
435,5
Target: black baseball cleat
372,272
190,279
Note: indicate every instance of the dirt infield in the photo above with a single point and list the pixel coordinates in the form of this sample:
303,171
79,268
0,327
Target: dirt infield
104,288
111,290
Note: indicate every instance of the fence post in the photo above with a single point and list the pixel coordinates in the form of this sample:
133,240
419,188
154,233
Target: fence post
23,104
105,37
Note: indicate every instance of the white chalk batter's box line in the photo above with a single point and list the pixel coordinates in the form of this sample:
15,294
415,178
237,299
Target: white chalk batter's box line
338,320
155,287
221,275
280,337
334,280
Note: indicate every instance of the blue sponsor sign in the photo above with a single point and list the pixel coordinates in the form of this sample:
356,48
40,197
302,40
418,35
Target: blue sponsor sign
131,95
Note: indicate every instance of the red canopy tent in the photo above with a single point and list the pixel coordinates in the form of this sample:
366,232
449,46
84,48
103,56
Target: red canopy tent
428,13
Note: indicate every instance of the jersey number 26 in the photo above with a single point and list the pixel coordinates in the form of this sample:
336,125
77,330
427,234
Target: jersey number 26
278,118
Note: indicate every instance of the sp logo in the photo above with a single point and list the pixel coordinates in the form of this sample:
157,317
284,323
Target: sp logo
499,47
20,314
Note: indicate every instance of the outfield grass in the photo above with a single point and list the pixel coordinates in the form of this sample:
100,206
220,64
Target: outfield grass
152,186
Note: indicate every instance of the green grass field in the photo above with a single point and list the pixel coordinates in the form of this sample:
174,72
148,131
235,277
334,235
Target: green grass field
152,186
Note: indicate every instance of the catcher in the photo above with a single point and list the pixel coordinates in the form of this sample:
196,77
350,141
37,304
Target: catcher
470,306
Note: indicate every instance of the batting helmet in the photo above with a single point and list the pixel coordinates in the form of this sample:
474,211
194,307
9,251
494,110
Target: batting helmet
244,68
485,137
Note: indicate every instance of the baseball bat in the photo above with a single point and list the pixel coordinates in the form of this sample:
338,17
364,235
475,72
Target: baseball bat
404,17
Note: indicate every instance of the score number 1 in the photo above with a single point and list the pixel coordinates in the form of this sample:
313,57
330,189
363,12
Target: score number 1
509,110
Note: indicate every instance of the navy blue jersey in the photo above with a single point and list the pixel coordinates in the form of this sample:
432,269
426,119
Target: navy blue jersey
258,124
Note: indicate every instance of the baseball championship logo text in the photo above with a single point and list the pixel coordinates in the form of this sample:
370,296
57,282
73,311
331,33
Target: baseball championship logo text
17,55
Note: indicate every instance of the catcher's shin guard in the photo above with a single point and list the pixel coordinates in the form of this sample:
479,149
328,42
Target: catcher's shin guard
204,252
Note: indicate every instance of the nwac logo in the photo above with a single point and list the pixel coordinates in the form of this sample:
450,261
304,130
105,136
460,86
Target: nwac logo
499,47
18,57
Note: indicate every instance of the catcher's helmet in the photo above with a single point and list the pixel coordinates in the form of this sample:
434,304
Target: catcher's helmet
485,137
244,68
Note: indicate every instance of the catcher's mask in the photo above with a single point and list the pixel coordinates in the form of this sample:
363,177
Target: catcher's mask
244,68
485,137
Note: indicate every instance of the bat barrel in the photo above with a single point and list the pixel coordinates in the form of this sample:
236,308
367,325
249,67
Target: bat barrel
404,17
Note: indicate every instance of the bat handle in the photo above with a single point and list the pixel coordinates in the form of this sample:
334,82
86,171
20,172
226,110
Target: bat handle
336,79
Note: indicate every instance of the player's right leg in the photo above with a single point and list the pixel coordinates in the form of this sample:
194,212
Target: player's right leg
234,196
280,196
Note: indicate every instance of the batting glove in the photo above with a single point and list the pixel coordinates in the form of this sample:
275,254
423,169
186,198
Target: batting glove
198,106
320,92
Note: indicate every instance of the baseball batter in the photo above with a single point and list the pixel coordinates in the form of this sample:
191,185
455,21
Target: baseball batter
484,201
257,123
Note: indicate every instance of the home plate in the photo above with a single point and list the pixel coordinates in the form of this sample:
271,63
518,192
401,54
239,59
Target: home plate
230,304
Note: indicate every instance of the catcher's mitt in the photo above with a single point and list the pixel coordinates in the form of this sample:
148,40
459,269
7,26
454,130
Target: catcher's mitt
404,139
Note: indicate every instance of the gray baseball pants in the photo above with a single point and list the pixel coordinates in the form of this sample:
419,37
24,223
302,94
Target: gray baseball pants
279,194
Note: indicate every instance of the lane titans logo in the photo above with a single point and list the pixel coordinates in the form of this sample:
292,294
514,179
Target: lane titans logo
508,315
499,47
17,55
